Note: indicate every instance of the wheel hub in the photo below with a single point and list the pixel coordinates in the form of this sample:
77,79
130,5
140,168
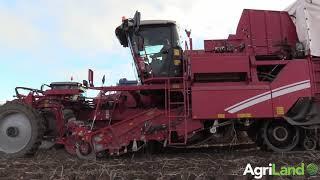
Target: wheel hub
280,133
85,151
310,143
12,132
85,148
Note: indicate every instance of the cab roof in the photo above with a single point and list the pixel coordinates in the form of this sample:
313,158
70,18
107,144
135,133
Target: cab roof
155,22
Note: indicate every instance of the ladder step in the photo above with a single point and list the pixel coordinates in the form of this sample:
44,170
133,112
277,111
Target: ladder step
175,90
180,143
176,116
176,102
180,129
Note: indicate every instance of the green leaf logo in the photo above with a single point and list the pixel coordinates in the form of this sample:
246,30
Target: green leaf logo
312,169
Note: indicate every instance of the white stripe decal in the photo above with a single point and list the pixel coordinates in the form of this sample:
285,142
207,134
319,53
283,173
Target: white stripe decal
283,87
247,100
250,103
290,90
268,95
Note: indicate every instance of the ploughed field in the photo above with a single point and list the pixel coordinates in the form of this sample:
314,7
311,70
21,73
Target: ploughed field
204,163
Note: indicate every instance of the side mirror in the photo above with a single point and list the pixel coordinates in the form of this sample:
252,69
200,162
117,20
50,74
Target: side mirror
85,83
43,85
90,78
136,20
103,79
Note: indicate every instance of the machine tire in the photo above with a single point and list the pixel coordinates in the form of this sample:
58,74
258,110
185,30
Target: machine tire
36,131
286,141
70,147
309,143
68,115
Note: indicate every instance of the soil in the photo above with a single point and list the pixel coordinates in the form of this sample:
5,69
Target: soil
205,163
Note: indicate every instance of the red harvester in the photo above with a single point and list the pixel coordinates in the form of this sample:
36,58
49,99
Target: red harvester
262,81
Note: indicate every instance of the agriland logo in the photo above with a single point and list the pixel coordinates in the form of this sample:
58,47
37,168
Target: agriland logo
273,170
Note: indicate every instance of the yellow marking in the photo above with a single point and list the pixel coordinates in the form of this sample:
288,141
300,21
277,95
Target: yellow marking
175,86
150,113
221,116
280,110
177,62
46,103
176,52
244,115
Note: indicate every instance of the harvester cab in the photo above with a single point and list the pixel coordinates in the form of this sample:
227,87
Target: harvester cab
65,85
154,46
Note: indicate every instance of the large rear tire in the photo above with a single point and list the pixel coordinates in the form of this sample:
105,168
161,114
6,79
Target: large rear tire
21,129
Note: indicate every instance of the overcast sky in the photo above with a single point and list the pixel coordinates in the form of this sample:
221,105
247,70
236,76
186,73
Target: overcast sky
51,40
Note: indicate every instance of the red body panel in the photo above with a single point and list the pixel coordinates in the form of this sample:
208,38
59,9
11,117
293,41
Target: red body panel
211,104
219,96
207,63
262,33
